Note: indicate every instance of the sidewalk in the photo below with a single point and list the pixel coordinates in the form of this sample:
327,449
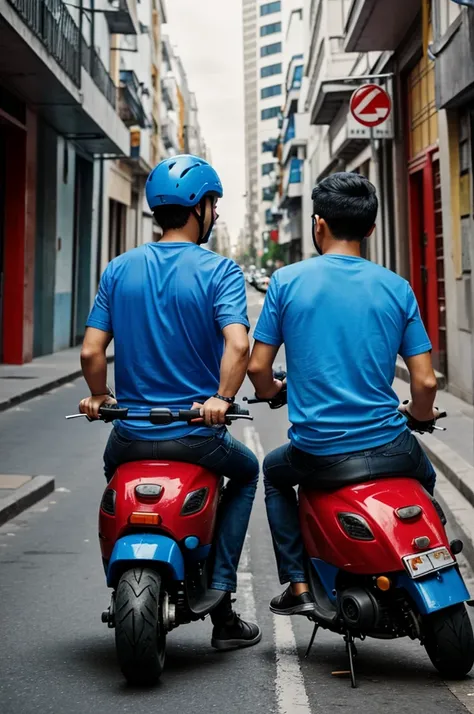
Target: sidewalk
18,383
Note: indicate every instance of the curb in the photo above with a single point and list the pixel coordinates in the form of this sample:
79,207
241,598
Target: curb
458,471
36,391
460,516
401,372
25,496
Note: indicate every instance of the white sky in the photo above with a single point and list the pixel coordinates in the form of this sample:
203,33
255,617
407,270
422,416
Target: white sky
208,38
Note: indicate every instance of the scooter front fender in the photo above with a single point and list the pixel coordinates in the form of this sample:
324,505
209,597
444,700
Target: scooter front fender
435,591
140,548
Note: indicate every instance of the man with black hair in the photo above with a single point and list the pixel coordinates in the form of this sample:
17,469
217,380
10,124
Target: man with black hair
343,321
178,317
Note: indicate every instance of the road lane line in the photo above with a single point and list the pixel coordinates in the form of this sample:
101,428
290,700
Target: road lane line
290,687
289,682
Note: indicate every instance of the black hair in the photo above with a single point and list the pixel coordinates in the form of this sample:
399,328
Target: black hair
348,203
171,217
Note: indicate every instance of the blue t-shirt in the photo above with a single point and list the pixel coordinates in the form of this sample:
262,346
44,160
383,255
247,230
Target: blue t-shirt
166,305
343,321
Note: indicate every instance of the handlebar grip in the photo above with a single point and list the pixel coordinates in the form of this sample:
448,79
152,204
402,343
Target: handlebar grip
113,412
189,414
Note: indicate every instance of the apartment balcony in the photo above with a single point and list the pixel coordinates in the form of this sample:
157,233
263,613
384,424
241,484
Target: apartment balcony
292,186
46,62
294,79
122,17
169,93
379,24
169,134
295,137
329,88
131,109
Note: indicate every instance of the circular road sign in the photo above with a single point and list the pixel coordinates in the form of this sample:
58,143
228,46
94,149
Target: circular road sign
370,105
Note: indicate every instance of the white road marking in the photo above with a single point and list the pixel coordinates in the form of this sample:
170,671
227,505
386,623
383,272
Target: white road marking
246,593
290,687
289,682
61,489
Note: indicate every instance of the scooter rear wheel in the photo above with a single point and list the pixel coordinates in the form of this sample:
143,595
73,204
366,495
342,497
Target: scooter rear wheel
140,637
449,641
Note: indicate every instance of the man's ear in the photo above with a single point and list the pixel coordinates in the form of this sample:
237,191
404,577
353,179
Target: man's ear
321,225
371,231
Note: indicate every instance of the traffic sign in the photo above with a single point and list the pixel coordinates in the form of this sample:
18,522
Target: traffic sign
371,105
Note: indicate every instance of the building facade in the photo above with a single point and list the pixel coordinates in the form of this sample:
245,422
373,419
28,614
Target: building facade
91,97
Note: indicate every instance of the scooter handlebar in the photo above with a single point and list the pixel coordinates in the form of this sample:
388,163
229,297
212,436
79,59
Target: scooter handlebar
159,415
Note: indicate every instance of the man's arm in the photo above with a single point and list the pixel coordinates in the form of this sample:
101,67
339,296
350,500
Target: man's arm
415,349
423,386
233,368
94,369
260,370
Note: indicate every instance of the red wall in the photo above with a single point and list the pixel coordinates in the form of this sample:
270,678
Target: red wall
20,227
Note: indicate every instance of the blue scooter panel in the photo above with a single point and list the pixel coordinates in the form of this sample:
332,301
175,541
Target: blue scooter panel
140,547
435,591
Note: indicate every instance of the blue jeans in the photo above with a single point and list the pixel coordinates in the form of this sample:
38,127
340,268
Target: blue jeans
220,453
288,466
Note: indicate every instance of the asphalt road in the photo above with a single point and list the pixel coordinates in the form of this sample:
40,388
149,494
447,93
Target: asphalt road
56,656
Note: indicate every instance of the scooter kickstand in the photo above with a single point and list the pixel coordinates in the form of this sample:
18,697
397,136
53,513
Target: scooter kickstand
350,646
315,630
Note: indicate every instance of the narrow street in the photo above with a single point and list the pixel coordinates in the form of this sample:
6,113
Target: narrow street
57,656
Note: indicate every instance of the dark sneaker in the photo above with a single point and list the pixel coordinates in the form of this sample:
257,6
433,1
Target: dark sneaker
289,604
235,633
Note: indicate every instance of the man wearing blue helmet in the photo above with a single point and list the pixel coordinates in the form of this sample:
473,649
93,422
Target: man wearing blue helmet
178,317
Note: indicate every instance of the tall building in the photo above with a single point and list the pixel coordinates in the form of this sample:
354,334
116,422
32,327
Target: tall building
249,12
263,84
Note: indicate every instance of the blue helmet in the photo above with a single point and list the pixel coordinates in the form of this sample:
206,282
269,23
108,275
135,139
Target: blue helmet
181,180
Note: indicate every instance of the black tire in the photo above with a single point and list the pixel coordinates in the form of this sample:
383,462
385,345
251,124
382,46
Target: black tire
140,637
449,641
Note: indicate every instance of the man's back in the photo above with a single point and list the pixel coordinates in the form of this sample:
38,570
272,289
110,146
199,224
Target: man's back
343,321
167,304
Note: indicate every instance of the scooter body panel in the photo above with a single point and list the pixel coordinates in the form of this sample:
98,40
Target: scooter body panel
145,548
176,481
377,503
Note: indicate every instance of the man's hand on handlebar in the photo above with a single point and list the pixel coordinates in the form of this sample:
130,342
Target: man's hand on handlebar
272,393
213,412
407,409
91,405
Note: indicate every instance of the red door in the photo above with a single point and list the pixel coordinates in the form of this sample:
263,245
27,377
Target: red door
427,252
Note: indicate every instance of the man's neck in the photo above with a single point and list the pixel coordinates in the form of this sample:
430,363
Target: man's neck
177,236
344,247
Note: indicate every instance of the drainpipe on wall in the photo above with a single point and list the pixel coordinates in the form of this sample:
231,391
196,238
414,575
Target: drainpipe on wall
100,219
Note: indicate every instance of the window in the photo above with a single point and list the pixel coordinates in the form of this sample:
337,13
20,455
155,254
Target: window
270,49
272,91
297,77
269,145
270,7
268,194
290,129
271,69
270,29
270,113
267,168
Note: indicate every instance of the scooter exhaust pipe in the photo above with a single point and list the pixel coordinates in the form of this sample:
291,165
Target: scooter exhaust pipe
359,609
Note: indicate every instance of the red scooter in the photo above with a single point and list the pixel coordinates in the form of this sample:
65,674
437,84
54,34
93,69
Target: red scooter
380,565
156,526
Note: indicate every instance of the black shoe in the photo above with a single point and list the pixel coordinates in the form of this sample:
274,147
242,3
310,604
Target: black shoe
289,604
235,633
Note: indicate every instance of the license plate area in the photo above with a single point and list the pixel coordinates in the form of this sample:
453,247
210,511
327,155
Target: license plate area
420,564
